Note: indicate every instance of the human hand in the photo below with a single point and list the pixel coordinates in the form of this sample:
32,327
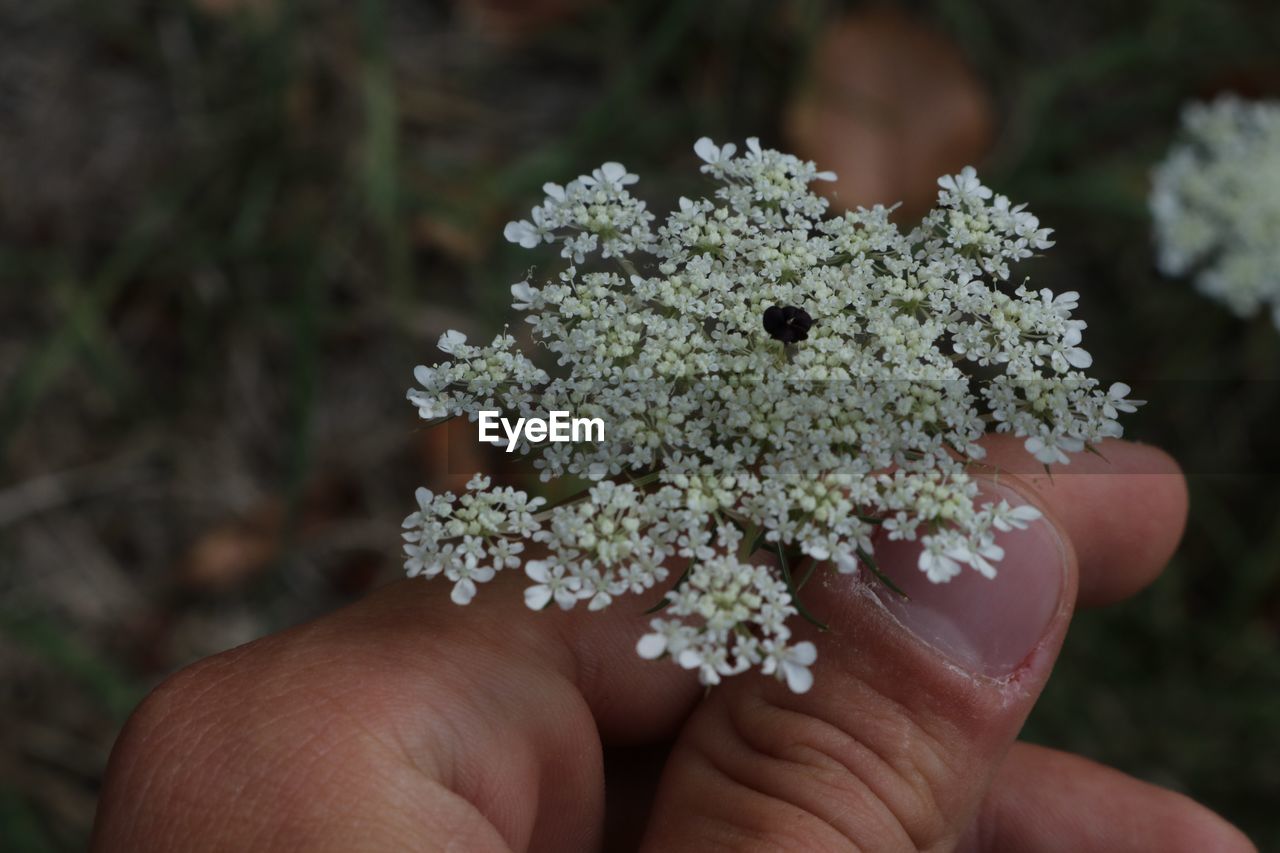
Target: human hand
406,722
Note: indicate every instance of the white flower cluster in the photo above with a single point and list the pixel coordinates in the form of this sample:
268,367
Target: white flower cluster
721,594
596,210
771,379
1216,204
471,538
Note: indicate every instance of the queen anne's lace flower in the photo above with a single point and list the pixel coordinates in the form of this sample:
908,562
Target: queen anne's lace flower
1216,204
770,379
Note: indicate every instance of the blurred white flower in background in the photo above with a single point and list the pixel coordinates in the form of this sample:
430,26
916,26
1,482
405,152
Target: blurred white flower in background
1216,203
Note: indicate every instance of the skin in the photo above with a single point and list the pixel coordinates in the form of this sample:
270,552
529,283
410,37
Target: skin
406,722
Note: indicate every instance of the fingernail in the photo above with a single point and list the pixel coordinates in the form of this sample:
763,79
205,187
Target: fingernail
987,626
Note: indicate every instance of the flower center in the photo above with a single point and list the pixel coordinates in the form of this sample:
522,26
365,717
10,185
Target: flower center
787,323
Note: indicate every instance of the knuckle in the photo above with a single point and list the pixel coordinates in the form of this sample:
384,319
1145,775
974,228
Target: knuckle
872,776
171,713
205,744
152,763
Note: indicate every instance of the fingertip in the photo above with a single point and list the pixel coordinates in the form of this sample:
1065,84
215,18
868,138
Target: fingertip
1043,799
1141,485
1193,828
1124,508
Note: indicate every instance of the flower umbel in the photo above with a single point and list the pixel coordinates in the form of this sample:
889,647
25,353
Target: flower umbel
1216,204
772,379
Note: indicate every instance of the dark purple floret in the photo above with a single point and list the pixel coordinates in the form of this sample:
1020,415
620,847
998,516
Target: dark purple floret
787,323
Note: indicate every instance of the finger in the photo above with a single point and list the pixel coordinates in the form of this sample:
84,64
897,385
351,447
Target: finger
1115,561
916,701
1045,801
401,719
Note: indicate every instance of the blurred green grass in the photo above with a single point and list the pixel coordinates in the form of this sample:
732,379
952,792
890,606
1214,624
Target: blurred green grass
319,188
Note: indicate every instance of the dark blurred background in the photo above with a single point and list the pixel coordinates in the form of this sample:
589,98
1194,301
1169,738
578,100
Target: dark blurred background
229,229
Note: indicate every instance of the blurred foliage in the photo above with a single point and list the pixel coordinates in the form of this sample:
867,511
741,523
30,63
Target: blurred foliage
227,229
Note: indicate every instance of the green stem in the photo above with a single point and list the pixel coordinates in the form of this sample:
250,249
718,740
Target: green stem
808,573
750,539
875,570
794,591
638,482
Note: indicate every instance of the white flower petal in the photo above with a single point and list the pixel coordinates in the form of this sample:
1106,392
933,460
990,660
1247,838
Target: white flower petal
522,295
523,233
450,341
689,659
804,653
799,678
613,171
463,591
1078,358
651,646
537,597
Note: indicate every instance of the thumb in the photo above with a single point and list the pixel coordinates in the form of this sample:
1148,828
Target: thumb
915,702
